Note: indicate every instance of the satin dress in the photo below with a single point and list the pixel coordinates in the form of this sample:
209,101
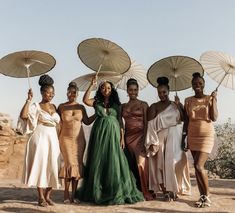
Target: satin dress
168,165
135,143
42,155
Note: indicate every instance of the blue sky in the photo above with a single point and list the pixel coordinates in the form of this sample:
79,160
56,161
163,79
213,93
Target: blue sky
148,30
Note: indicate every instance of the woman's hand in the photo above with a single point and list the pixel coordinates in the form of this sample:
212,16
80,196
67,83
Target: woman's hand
122,144
94,81
214,95
184,146
30,95
177,100
153,148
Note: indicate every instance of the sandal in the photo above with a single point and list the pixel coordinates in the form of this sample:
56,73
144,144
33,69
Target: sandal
50,202
67,201
200,202
42,202
75,201
174,196
167,197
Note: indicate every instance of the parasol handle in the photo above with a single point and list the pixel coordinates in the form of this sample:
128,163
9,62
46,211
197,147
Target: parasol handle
98,70
28,72
220,82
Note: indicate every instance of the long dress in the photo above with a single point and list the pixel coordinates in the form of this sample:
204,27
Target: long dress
200,128
168,165
42,156
72,143
135,142
107,178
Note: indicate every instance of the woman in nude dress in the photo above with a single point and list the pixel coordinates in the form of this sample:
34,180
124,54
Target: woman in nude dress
168,164
72,140
135,116
201,110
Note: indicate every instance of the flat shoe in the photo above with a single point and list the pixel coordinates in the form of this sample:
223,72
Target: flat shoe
67,201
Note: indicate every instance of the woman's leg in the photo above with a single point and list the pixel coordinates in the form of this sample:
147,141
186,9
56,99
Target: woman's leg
41,198
47,196
141,162
74,188
199,183
66,189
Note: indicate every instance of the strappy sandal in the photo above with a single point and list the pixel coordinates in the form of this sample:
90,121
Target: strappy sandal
200,202
42,202
174,196
50,202
167,197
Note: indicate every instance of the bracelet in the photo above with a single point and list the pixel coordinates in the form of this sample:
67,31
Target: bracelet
28,100
184,133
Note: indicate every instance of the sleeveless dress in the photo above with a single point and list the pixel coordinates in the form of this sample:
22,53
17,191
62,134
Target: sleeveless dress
135,143
200,128
107,178
42,155
72,143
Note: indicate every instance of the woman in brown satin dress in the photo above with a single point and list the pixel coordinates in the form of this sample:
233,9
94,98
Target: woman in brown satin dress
134,113
201,110
72,140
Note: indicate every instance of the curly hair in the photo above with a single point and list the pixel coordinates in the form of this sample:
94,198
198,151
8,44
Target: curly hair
45,81
113,98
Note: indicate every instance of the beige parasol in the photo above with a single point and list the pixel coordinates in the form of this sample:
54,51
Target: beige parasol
25,64
220,67
101,54
178,69
137,72
84,81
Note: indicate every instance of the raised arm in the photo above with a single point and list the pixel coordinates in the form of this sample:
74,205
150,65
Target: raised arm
25,110
87,120
86,98
213,107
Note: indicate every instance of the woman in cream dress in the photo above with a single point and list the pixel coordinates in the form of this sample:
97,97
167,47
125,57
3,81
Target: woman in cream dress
201,110
42,156
72,140
168,164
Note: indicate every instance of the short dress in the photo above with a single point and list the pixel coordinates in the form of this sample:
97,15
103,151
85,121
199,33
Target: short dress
200,128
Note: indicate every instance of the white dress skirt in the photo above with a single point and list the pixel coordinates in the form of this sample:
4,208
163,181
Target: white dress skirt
168,164
42,155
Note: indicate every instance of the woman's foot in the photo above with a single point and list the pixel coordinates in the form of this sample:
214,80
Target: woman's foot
75,201
67,201
42,202
174,196
204,201
167,197
149,197
50,202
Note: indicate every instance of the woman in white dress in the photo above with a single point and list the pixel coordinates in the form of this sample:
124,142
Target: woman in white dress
168,164
42,155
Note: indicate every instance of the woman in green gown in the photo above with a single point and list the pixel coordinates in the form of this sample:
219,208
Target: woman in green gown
107,177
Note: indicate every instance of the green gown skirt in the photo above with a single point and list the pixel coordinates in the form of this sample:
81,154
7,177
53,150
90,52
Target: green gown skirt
107,177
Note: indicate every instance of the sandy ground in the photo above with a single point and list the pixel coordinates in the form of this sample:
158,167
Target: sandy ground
15,197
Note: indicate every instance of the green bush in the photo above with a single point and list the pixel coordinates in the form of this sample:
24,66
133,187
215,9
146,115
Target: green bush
223,164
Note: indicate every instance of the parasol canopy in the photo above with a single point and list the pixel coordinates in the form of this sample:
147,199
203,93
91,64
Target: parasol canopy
178,69
25,64
101,54
220,67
